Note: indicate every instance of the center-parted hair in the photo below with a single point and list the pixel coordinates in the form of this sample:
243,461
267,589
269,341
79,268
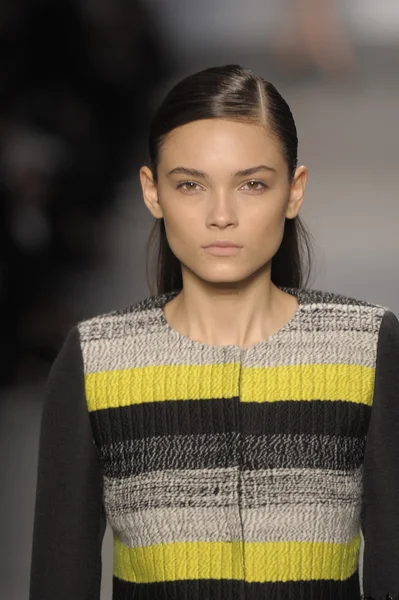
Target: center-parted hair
235,93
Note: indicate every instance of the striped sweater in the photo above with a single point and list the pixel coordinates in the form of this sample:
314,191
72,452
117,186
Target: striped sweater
225,473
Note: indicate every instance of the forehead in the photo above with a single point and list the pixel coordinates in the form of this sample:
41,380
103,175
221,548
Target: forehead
210,144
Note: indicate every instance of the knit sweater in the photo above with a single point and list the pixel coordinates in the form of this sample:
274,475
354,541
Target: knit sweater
225,473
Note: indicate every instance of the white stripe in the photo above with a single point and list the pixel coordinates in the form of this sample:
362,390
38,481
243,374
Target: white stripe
271,523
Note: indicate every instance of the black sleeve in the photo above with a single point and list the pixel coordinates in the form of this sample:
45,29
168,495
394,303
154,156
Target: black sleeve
380,510
69,519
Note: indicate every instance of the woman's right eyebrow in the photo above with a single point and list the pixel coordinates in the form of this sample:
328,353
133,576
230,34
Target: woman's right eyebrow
187,171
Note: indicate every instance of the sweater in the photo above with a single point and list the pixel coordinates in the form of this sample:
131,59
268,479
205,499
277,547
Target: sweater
224,473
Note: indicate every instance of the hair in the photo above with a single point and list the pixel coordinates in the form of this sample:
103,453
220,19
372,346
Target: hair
235,93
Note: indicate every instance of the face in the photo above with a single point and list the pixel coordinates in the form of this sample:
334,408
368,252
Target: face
223,180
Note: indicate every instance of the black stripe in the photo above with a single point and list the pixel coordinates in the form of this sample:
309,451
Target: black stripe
183,417
222,450
226,589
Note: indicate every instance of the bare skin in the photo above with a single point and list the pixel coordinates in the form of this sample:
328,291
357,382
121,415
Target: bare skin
226,300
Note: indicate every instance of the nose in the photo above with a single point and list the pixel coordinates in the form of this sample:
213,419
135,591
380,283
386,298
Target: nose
222,209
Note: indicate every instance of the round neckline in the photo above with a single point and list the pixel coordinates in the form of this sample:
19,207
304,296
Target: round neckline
185,339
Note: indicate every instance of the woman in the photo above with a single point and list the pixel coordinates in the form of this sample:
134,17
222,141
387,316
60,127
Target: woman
237,429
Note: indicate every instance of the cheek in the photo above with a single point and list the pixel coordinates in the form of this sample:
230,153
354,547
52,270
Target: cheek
267,219
182,230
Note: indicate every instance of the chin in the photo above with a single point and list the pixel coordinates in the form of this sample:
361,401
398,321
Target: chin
224,278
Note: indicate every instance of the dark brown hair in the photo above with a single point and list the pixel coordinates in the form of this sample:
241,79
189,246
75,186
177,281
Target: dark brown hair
228,92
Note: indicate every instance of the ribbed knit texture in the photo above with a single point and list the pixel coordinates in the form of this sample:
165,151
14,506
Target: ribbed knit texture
230,473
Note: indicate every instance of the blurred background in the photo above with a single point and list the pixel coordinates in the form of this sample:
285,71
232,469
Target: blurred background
78,84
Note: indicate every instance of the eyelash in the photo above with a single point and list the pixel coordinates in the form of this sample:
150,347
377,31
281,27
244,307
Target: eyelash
182,183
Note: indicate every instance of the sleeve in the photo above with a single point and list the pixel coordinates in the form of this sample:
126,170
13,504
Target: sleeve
69,517
380,509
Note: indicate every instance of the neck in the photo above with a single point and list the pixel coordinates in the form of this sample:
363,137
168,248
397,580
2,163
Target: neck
221,316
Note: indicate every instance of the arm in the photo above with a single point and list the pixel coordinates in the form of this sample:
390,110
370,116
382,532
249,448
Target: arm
69,521
380,515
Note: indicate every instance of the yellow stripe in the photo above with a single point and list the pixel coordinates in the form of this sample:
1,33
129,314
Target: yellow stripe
110,389
308,382
264,561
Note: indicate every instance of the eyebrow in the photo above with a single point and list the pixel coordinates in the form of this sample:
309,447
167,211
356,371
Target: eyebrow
243,173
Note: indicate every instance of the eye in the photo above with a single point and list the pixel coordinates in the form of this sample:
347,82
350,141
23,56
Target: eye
188,186
255,186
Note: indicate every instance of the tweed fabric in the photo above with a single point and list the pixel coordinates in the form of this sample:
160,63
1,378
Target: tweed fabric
232,473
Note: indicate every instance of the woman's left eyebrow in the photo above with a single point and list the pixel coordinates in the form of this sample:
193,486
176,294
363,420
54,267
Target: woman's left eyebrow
253,170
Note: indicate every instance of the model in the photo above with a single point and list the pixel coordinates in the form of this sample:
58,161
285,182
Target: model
237,429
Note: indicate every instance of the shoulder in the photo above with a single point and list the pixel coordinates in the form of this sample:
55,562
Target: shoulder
345,312
124,321
325,305
329,298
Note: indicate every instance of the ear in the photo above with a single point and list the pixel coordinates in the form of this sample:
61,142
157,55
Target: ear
150,192
297,192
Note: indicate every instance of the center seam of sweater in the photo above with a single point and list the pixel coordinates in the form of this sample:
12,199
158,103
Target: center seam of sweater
240,466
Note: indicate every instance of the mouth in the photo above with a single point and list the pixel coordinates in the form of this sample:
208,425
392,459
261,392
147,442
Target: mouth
222,250
223,244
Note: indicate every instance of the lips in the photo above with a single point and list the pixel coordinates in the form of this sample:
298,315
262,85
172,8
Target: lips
222,250
222,245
